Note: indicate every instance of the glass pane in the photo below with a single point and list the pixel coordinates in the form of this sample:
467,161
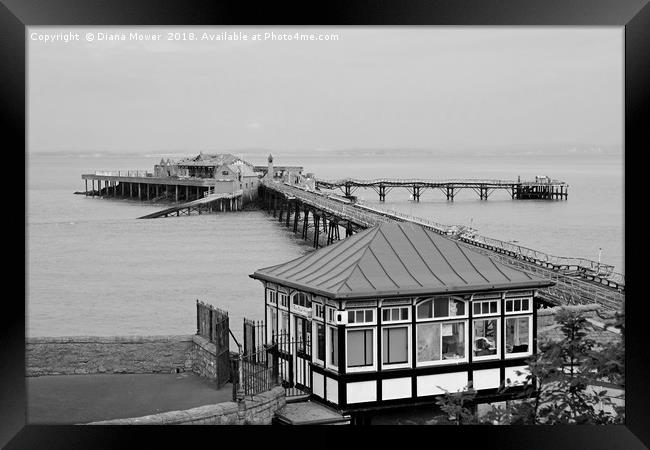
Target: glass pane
508,305
350,316
493,307
385,315
395,345
405,313
453,340
359,317
441,307
485,337
334,346
369,348
524,304
424,310
369,315
359,347
320,336
428,342
477,308
485,308
517,305
457,308
395,314
517,335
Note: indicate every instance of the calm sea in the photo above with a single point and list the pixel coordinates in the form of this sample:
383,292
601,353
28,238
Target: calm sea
93,269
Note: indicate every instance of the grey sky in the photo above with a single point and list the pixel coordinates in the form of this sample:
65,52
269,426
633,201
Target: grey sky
393,87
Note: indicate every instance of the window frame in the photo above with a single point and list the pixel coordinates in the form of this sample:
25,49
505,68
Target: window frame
497,343
481,314
443,362
513,312
529,352
368,368
391,308
283,297
314,343
432,299
409,346
364,323
272,296
328,349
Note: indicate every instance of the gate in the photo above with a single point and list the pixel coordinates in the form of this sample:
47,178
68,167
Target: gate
213,324
294,359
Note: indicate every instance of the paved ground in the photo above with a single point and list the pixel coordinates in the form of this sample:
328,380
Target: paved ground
71,399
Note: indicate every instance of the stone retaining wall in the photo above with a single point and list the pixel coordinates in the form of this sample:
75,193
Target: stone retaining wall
116,354
255,410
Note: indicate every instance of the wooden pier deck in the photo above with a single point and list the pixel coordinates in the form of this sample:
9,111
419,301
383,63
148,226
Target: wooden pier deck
543,188
578,280
209,203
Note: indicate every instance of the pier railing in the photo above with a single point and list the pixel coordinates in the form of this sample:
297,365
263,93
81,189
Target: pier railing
575,277
425,181
562,263
124,173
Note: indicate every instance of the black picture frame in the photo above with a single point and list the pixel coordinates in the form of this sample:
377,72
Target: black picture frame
634,15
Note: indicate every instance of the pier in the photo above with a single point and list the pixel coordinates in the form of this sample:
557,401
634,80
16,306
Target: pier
143,185
578,280
209,203
542,188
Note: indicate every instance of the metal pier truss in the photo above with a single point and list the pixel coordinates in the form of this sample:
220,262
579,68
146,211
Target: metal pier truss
578,280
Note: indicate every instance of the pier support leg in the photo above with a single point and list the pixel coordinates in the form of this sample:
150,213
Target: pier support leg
382,193
316,230
348,230
187,193
139,191
176,197
157,193
86,188
305,224
122,186
296,217
288,212
92,194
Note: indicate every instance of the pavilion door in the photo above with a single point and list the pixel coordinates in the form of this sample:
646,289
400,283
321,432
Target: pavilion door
302,354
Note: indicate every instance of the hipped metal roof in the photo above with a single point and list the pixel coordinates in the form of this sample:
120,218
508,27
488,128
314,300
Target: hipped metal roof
396,259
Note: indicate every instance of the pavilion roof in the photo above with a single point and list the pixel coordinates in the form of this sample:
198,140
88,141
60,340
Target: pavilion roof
396,259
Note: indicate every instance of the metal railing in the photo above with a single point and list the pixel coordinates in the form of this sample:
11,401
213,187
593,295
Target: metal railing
424,181
124,173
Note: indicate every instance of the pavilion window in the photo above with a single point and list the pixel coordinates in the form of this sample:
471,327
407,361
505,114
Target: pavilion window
518,335
360,348
485,339
361,316
440,341
518,305
273,321
272,296
333,351
395,346
302,299
319,351
283,299
442,307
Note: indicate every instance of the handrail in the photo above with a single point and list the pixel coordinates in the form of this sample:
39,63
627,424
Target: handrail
407,181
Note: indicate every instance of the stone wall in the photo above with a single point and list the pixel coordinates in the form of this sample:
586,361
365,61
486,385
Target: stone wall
255,410
204,358
117,354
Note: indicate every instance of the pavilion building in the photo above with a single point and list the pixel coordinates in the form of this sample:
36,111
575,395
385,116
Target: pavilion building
396,315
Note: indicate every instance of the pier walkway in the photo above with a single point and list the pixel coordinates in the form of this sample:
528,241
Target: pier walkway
542,188
578,280
209,203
